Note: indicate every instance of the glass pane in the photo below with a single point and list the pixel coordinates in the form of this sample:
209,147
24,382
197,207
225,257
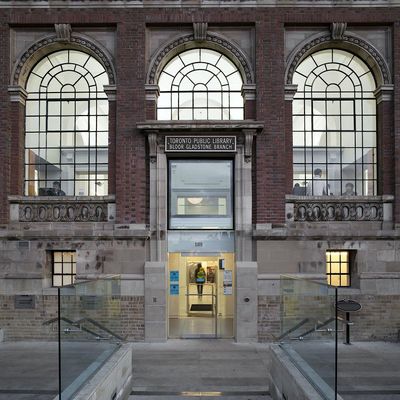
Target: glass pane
342,121
57,280
206,73
98,301
58,126
200,194
308,329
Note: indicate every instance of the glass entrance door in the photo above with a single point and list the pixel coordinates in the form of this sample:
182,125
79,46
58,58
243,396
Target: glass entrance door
201,295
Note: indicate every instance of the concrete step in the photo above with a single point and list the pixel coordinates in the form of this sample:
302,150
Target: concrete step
200,369
214,395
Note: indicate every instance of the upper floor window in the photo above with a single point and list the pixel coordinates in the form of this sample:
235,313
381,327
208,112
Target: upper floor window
334,126
66,126
200,84
200,194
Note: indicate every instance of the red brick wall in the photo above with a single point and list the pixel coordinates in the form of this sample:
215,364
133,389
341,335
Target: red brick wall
396,128
5,129
273,169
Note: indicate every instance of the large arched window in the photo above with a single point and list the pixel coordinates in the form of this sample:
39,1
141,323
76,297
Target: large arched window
200,84
334,126
66,126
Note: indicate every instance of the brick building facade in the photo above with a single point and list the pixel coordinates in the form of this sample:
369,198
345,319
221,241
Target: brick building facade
129,229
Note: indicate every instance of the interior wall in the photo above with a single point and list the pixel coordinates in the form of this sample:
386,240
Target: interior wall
178,303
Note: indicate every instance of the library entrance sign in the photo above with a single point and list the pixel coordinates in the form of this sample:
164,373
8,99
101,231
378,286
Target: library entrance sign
200,143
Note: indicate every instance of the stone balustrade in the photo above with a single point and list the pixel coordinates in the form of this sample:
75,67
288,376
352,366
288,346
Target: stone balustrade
62,208
339,208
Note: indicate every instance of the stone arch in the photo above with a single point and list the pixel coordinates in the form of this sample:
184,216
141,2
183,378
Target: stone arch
349,42
212,41
49,44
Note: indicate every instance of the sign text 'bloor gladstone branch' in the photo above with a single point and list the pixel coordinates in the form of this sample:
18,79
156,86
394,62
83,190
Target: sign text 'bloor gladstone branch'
200,143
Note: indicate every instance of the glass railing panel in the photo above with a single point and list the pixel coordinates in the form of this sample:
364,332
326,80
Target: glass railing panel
308,331
90,330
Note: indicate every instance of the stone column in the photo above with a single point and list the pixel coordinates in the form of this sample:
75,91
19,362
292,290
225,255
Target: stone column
249,98
244,198
246,302
155,304
290,91
385,139
152,93
158,199
246,269
18,97
111,92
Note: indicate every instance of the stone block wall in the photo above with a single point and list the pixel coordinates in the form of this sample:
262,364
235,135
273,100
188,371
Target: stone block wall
26,269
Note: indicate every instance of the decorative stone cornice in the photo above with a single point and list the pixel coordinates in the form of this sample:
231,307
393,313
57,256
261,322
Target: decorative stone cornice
17,94
200,30
63,32
78,40
384,93
260,4
212,39
61,208
152,138
152,92
249,92
111,92
196,127
337,30
290,91
248,143
323,40
337,208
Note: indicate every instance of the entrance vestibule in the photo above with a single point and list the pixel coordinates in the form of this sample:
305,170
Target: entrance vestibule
201,309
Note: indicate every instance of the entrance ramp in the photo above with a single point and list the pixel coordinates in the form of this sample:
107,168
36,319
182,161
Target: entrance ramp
200,368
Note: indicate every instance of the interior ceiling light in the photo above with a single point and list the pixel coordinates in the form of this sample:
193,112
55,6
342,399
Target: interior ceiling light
194,200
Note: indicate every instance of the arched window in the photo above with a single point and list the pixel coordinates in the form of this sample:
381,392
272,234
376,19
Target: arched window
66,126
200,84
334,126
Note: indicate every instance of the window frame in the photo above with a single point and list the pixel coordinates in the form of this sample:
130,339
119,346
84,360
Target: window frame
349,263
72,264
173,97
230,206
357,147
44,108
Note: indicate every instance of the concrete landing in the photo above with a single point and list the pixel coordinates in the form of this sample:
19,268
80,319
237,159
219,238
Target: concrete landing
367,370
200,369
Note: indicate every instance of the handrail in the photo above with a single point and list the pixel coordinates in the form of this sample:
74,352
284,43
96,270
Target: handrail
79,324
319,326
69,321
316,327
297,326
95,323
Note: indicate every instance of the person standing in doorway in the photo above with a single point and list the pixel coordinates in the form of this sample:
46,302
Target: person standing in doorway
200,275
